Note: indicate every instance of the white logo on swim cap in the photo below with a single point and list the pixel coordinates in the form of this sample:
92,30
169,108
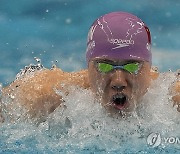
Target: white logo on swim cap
148,46
91,33
91,46
91,42
120,43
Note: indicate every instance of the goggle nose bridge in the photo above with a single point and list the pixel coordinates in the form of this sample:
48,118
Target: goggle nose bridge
122,67
118,66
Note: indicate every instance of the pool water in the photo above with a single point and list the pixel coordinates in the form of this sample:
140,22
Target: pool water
55,31
84,126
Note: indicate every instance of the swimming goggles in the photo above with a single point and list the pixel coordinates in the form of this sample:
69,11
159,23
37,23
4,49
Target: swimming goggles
132,68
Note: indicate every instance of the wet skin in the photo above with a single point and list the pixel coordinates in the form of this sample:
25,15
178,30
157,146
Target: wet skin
107,86
36,93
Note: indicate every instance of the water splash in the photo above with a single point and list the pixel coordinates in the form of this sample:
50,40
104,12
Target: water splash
1,89
82,125
28,70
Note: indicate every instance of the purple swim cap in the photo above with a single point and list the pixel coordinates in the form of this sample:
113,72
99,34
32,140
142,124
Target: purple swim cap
119,36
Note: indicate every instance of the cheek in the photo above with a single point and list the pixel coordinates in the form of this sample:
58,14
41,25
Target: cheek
145,80
97,81
141,84
94,79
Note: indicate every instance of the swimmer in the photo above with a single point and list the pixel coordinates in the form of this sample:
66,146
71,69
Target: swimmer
119,70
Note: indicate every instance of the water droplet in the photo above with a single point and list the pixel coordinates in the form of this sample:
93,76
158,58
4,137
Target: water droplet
0,86
0,89
68,20
168,14
12,96
155,37
154,44
155,68
53,66
62,84
178,72
37,59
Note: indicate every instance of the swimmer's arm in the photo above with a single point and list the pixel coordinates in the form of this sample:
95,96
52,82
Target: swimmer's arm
37,93
175,89
176,98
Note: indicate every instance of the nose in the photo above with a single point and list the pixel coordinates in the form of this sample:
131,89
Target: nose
118,81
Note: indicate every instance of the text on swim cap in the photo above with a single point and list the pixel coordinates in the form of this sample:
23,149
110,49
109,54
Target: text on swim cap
121,41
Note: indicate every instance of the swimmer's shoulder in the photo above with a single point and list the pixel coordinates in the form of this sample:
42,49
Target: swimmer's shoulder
174,89
37,93
155,74
53,77
79,78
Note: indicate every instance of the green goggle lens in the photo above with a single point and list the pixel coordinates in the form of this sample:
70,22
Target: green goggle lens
131,67
103,67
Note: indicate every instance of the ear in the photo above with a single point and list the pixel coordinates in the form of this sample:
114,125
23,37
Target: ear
154,73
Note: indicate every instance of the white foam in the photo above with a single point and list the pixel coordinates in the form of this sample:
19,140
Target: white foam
83,122
86,121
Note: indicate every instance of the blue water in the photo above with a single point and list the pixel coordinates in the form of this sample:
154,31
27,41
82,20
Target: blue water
55,31
84,126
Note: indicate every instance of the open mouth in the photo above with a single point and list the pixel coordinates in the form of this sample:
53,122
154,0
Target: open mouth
119,101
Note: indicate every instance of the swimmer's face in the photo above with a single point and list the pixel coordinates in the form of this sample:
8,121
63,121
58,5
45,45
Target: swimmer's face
119,89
